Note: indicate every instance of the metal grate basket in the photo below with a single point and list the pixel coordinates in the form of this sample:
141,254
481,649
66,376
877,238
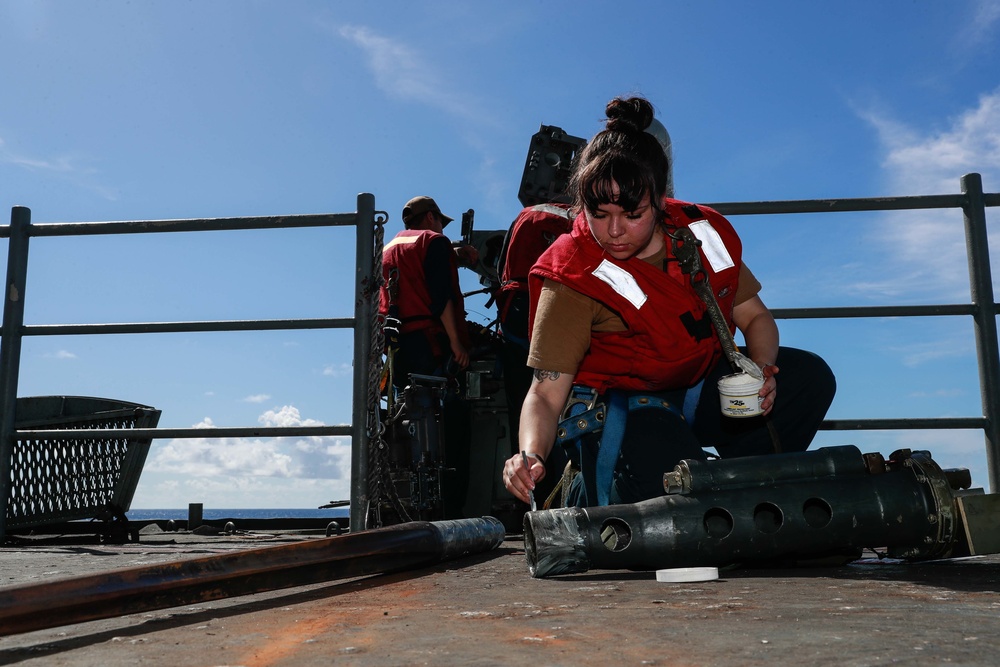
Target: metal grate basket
65,479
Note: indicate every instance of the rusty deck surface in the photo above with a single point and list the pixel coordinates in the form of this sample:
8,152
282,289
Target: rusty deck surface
487,610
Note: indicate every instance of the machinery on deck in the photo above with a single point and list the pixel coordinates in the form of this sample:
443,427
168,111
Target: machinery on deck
808,506
415,475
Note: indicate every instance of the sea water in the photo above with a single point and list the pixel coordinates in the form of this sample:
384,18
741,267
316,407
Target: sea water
208,514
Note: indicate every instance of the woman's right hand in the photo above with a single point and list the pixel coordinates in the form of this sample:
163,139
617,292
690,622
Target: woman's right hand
540,415
520,479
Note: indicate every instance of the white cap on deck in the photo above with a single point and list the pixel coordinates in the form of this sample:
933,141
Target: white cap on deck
677,575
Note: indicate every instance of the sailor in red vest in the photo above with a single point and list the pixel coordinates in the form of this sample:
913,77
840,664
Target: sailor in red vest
532,232
421,292
620,330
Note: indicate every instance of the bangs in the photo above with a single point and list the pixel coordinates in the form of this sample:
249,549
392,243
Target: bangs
633,183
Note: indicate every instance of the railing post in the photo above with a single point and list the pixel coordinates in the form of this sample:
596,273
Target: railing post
10,349
363,312
985,319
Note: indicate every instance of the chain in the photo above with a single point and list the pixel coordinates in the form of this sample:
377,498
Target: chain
685,246
380,486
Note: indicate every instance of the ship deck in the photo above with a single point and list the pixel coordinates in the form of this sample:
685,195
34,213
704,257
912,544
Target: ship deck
486,609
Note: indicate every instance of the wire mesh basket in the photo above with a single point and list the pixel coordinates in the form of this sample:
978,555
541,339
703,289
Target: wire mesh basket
67,478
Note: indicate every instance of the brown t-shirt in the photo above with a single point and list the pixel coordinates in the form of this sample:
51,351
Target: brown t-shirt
565,318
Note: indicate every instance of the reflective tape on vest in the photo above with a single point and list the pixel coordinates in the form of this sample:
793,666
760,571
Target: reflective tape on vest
622,282
711,244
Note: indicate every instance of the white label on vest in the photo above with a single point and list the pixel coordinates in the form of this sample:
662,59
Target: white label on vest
622,282
711,244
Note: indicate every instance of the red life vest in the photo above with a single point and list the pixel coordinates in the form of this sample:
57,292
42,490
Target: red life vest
406,254
532,232
668,342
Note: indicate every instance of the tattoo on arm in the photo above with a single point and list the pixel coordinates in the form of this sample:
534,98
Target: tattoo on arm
546,375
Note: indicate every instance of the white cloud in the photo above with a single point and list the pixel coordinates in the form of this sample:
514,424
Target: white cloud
230,457
933,162
403,72
155,492
286,415
919,353
923,252
257,398
59,354
65,167
338,370
238,460
62,164
981,28
400,72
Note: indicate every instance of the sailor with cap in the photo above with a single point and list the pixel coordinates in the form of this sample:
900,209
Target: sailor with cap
421,291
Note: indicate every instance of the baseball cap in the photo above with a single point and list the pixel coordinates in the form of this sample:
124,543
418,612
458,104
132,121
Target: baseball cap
420,205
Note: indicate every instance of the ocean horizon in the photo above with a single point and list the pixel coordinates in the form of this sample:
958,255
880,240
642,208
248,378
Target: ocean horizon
210,514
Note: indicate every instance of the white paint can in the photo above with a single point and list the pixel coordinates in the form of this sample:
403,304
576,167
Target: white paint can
738,394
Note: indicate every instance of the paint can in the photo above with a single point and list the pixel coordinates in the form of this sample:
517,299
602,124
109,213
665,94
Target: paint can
738,394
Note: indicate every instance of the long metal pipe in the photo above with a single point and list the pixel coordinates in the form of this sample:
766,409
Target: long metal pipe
117,593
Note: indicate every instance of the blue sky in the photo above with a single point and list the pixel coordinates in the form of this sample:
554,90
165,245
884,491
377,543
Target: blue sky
140,110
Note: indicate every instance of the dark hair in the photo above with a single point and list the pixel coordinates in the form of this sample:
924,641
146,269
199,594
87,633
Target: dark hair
621,153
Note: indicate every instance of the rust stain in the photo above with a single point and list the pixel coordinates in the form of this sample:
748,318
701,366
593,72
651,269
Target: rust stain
286,640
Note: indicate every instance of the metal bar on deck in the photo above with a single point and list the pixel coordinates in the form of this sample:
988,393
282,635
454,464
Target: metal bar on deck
117,593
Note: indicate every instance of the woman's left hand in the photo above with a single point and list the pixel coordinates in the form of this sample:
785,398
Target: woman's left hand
769,391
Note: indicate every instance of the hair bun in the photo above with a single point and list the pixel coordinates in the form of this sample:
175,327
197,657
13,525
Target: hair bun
633,114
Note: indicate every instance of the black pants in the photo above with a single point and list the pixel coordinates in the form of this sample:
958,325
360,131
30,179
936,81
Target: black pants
517,376
656,440
417,353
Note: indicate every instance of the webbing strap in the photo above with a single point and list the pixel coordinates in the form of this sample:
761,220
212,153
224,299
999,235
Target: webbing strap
610,419
691,398
611,444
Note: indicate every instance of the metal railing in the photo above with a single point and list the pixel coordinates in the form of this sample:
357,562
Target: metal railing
21,230
983,308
